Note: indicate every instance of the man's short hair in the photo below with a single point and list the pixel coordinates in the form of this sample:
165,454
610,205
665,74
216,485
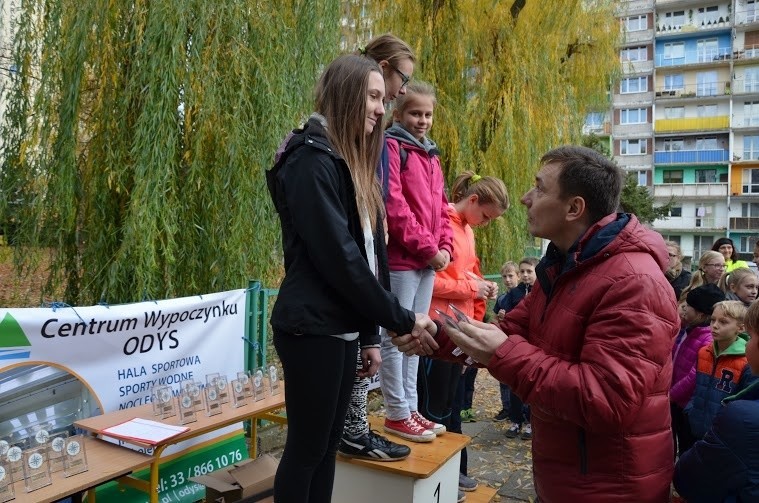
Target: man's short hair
590,175
752,318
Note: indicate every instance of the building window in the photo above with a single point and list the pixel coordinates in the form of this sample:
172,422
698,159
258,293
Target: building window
750,210
747,243
642,177
706,111
676,18
673,176
752,13
707,50
707,143
751,113
674,51
673,144
750,181
633,116
704,215
636,23
706,176
674,112
702,244
750,148
634,54
708,14
751,80
634,85
706,83
632,147
676,211
674,82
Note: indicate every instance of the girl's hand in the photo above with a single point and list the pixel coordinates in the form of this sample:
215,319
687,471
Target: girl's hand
501,314
440,261
493,290
483,289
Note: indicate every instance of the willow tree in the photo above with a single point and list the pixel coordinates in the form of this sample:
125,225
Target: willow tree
137,134
513,79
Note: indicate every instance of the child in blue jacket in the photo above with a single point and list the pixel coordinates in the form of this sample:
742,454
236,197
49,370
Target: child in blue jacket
724,465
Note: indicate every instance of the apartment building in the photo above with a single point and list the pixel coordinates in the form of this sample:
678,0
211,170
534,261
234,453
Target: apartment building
685,115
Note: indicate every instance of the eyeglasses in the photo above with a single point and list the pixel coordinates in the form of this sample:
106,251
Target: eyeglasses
718,266
405,79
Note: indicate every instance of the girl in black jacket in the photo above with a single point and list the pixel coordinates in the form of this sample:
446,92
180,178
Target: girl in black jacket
325,190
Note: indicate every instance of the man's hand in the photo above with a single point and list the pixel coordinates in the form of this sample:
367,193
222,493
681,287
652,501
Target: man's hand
477,339
421,340
370,362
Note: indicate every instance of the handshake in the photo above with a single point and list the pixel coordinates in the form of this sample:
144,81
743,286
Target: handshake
474,338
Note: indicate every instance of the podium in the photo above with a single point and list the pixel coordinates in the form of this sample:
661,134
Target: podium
429,474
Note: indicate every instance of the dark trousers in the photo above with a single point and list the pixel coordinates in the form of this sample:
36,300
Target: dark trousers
681,433
518,412
469,376
319,373
505,396
441,393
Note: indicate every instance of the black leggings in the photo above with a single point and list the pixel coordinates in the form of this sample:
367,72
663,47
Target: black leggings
319,372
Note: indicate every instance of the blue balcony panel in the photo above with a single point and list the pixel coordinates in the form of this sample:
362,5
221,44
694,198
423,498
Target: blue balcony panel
690,156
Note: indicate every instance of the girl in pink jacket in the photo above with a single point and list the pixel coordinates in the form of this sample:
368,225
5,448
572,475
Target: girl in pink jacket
419,243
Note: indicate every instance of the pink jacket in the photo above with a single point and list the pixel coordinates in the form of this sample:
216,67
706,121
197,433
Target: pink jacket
684,358
454,286
417,209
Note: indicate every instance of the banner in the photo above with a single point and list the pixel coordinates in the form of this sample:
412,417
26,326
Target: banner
120,352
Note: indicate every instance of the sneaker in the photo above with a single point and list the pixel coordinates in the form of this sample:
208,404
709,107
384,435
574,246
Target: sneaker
501,416
467,483
409,429
372,446
461,497
513,431
437,428
467,416
527,432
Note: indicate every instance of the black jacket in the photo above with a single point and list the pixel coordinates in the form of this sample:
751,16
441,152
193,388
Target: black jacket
328,287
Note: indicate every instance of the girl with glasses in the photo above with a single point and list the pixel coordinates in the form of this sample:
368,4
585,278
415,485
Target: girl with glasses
711,267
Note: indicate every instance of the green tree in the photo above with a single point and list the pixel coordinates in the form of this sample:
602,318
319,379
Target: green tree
513,80
137,134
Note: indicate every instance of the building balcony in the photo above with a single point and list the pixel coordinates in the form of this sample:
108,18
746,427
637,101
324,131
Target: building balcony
692,124
744,223
597,129
690,224
743,86
634,161
637,67
634,7
748,53
630,99
746,17
691,156
695,57
721,88
683,190
639,36
742,121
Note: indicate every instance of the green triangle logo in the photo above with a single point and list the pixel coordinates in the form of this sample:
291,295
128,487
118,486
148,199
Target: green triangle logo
11,335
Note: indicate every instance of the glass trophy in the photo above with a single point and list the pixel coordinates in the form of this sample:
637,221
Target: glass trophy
163,402
186,408
193,388
213,403
6,482
259,392
244,378
36,468
74,456
40,435
274,380
13,460
211,379
55,447
223,386
239,395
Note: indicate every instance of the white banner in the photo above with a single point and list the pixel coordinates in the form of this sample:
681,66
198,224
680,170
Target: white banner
120,352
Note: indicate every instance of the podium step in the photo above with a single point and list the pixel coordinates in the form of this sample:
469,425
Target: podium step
483,494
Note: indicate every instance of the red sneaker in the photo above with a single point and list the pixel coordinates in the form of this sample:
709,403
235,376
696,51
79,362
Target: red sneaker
409,429
425,423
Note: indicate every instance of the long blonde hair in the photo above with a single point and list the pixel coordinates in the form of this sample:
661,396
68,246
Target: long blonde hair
341,98
699,277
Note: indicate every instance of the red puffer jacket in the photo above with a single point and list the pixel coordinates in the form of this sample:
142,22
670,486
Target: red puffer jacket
590,350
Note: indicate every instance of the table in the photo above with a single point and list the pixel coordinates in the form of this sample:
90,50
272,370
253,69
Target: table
261,409
105,462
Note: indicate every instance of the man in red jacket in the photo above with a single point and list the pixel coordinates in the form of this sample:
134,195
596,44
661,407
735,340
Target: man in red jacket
590,348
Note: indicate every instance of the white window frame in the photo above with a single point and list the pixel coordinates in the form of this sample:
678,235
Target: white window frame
710,110
629,116
674,82
632,54
632,85
636,23
674,112
674,144
750,152
750,180
633,146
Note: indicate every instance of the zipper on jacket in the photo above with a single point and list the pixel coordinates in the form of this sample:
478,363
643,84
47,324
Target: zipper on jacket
582,444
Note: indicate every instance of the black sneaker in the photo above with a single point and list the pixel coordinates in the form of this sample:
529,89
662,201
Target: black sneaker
513,431
373,447
501,416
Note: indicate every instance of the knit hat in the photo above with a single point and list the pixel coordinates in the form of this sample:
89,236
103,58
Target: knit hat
704,297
